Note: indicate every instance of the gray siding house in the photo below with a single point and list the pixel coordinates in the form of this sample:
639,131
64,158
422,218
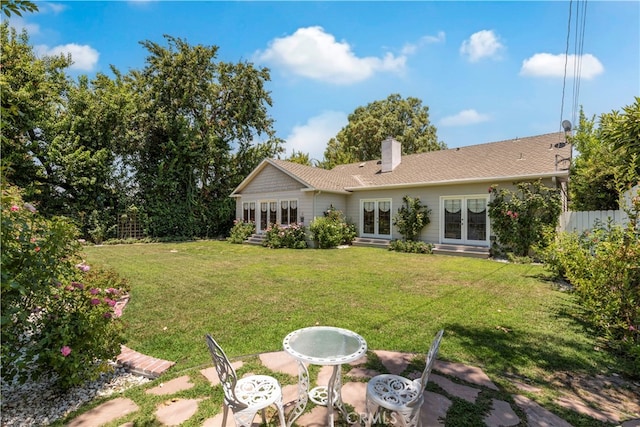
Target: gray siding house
453,183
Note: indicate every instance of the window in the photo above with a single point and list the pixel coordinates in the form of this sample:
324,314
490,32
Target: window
288,212
249,211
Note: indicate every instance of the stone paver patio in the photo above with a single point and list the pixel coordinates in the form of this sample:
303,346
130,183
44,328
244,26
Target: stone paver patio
454,379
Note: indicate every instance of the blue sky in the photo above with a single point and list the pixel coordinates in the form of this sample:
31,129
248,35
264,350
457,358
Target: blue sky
488,71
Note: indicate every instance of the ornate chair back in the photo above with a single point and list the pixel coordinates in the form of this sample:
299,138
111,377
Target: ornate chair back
429,361
226,374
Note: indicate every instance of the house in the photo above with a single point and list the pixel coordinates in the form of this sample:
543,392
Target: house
452,183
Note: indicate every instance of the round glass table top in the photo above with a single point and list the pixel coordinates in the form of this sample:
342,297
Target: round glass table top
325,345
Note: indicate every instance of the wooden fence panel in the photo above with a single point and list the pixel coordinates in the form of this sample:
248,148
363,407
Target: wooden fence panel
586,220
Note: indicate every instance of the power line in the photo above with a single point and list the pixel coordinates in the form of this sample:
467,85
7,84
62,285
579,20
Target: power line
566,59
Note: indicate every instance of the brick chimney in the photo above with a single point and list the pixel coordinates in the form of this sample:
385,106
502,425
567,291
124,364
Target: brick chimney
391,154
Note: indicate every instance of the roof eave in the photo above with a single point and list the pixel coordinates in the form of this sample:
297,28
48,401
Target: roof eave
557,174
323,190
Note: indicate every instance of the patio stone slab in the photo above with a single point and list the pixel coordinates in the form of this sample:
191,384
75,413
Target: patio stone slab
580,407
631,423
537,415
501,415
394,361
355,394
470,374
280,361
173,386
434,409
177,411
470,394
105,413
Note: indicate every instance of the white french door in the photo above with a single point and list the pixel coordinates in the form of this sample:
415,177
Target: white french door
375,217
464,220
268,214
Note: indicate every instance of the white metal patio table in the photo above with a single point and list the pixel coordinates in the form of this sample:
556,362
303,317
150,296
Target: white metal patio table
323,345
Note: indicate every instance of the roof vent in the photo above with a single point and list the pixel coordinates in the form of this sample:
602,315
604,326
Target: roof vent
391,154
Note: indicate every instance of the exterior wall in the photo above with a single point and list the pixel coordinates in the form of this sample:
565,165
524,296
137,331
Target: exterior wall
273,185
271,180
429,196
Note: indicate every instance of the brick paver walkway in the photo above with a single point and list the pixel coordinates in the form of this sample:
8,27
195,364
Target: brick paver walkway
457,380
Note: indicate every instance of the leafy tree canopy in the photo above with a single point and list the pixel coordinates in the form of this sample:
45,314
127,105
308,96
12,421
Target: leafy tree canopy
16,7
404,119
608,160
197,124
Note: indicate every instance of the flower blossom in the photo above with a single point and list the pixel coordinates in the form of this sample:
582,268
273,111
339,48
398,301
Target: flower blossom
83,267
107,315
95,301
110,302
94,291
65,350
15,208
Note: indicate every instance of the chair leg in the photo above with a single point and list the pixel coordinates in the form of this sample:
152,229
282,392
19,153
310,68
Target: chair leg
224,416
410,417
372,410
280,407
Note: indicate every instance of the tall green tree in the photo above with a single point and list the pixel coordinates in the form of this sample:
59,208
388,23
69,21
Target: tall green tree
407,120
606,163
33,90
59,136
622,131
195,136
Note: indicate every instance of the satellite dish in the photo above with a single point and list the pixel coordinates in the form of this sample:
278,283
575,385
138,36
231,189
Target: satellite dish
566,125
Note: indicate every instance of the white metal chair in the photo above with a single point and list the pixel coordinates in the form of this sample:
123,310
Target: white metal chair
245,396
401,395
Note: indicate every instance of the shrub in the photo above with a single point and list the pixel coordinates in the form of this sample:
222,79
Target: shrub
603,266
332,230
48,323
409,246
241,231
411,218
524,219
292,236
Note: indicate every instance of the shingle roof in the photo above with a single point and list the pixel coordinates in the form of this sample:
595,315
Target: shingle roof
520,158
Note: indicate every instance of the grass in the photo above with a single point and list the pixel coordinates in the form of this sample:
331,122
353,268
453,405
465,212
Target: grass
508,319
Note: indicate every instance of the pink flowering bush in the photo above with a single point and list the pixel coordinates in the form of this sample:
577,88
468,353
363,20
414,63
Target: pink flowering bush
49,321
523,220
285,236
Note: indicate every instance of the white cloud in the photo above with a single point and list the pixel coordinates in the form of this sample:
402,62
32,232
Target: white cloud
312,137
313,53
465,118
483,44
55,8
19,24
84,57
548,65
411,48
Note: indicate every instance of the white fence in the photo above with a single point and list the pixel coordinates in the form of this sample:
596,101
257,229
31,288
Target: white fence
586,220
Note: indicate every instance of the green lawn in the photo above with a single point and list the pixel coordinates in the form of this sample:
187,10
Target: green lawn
505,318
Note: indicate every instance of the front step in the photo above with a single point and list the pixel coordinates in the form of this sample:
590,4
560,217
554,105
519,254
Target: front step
370,242
462,250
255,239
